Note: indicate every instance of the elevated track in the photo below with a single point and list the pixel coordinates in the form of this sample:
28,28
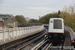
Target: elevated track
25,42
21,44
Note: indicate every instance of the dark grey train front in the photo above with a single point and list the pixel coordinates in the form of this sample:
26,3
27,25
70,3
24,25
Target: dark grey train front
56,30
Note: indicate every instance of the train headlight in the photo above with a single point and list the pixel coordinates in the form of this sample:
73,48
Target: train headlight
50,36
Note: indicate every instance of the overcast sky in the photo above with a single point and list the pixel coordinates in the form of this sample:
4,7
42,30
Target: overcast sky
33,8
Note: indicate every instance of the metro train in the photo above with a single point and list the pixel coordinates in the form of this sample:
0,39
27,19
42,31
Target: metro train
56,30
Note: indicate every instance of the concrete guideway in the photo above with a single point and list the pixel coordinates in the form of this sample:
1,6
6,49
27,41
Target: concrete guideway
25,42
71,32
11,34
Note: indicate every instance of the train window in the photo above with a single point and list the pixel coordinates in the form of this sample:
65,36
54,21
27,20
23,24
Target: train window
57,24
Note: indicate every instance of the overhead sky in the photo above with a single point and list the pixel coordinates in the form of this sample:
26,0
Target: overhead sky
33,8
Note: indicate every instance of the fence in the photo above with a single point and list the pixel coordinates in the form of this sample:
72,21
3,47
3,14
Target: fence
11,34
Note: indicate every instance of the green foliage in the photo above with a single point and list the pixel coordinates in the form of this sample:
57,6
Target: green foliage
68,15
33,21
9,26
20,19
59,13
45,19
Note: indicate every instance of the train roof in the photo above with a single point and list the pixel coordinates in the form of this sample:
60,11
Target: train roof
56,18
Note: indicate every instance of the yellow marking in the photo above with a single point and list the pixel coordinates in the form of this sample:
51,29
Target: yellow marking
48,46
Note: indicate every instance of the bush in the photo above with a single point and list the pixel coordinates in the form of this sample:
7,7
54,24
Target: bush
9,26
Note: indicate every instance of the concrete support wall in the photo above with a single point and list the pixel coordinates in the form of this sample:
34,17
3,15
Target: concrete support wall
11,34
71,32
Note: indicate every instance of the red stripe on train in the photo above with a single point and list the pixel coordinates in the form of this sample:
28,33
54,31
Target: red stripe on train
55,33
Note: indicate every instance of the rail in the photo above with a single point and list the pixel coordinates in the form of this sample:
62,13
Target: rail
31,41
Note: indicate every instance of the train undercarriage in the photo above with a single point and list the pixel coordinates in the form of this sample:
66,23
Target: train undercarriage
56,38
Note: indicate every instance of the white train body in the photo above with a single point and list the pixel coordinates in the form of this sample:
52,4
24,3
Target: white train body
56,25
56,30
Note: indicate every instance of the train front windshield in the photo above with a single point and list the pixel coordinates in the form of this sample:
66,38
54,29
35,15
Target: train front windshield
57,24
